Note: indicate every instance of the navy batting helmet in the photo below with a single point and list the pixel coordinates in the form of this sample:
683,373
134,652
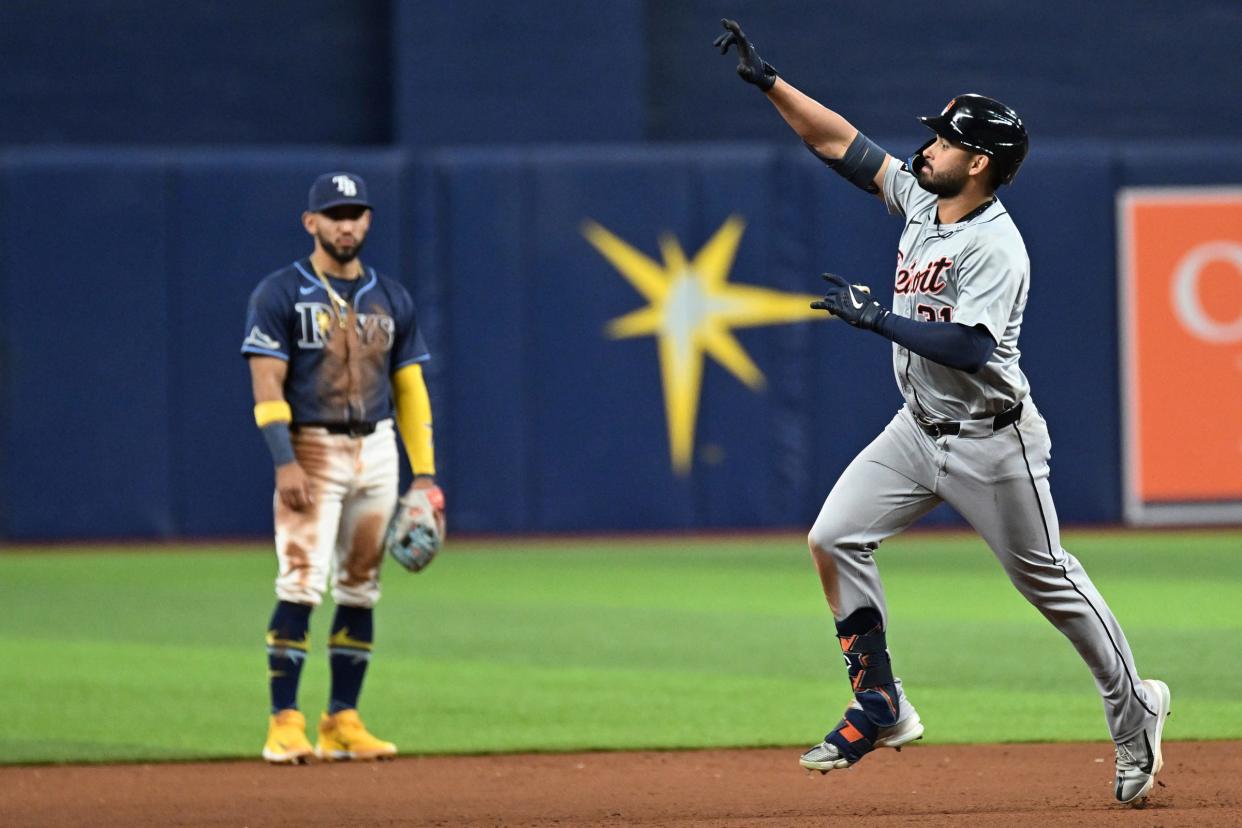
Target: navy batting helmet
985,125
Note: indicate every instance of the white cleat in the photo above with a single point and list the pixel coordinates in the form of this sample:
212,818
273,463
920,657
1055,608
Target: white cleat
1139,759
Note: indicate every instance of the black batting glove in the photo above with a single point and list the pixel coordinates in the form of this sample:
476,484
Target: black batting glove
751,67
853,303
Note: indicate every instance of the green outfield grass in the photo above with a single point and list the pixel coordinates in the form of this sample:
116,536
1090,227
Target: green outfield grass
157,653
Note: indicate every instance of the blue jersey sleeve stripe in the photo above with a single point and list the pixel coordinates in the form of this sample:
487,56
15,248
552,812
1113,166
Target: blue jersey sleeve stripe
414,361
309,277
251,349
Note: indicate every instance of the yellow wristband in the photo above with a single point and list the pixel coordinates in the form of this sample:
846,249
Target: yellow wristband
272,411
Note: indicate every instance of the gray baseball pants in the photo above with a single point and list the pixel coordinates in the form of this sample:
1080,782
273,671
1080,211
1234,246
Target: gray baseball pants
999,483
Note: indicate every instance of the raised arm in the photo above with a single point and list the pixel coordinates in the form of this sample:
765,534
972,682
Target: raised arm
832,138
820,128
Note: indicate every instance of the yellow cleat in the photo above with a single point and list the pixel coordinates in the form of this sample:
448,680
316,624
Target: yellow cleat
343,736
286,739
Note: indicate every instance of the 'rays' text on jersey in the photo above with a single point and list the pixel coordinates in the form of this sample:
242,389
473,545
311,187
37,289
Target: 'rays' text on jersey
316,318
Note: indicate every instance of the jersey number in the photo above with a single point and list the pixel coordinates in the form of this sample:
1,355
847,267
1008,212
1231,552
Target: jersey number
929,313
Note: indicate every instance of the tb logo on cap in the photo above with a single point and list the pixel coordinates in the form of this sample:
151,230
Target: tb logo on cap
345,185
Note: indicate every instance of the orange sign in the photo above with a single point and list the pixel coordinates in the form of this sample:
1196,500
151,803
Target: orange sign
1180,281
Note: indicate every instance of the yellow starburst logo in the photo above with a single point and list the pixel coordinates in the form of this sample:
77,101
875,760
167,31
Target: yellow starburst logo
692,311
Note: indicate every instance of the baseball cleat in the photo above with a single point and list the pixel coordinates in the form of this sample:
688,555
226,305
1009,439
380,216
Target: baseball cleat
286,739
1139,759
827,756
343,736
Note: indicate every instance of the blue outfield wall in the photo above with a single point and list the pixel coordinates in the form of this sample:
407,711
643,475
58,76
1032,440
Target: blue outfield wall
126,408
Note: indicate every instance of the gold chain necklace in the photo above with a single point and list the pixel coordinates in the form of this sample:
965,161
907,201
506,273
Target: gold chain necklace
339,304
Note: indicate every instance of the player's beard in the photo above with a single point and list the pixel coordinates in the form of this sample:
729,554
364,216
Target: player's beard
943,184
341,256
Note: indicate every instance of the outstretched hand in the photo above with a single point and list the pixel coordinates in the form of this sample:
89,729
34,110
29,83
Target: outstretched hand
853,303
751,67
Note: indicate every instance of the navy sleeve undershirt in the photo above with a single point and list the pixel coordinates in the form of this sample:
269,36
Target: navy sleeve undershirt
948,343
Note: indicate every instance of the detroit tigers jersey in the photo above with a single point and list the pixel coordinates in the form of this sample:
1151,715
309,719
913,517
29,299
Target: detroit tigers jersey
339,368
973,272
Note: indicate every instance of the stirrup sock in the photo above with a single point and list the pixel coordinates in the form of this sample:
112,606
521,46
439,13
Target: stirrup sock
349,653
287,640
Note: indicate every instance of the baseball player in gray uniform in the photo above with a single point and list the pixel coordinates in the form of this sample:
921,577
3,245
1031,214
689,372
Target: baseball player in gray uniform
969,433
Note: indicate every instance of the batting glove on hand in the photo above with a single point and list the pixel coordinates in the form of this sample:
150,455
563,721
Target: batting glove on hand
853,303
750,66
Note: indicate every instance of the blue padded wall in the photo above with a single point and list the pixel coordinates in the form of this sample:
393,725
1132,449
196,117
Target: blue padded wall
126,407
483,427
87,366
599,412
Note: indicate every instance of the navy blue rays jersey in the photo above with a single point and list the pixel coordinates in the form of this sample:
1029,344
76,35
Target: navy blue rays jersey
339,364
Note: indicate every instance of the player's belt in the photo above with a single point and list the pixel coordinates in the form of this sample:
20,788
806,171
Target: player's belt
976,428
352,429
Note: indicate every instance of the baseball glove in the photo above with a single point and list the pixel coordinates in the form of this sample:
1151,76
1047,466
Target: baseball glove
416,529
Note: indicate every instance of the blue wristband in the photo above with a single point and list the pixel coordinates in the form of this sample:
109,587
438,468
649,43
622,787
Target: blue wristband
279,443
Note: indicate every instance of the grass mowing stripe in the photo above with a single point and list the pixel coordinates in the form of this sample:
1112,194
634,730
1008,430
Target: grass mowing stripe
611,644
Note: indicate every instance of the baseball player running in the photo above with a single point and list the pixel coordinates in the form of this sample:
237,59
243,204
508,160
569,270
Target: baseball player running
332,344
969,433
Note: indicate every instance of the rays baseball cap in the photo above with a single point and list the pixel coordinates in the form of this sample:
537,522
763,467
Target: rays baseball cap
336,188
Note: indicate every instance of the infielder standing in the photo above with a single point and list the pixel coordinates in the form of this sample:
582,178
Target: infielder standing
331,345
969,434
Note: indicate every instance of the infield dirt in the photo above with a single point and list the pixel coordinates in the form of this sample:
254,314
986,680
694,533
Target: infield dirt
992,785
